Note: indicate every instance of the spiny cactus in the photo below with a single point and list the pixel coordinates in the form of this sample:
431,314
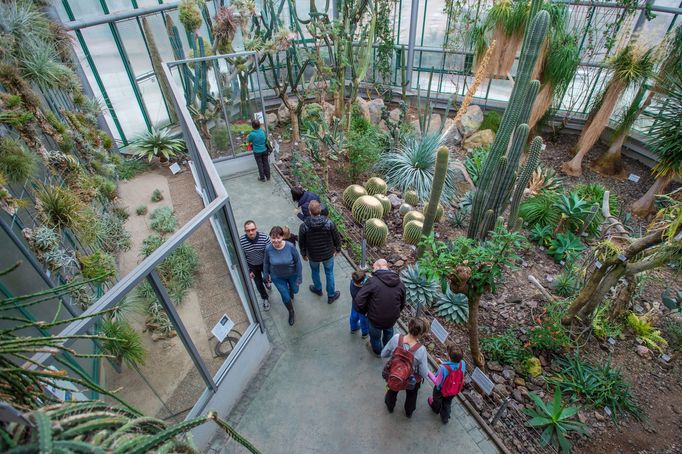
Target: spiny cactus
367,207
411,216
498,176
376,232
376,185
522,181
405,208
435,212
440,211
420,290
412,232
453,307
411,197
385,203
351,194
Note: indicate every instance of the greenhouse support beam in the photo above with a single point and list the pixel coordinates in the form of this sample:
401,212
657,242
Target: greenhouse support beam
414,18
655,8
123,15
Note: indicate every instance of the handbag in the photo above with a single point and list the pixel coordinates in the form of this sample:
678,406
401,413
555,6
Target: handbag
268,146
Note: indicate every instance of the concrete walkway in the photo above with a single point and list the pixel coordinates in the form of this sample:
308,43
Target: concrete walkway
321,391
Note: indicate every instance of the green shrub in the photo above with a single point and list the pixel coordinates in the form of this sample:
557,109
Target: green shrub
120,212
673,332
541,209
123,342
240,128
646,333
550,334
594,193
474,162
105,187
365,145
505,348
128,169
541,234
141,210
112,236
491,120
157,195
220,138
163,220
565,246
602,327
16,162
99,266
177,271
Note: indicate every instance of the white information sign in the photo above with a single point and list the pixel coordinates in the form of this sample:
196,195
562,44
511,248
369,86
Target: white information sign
259,116
175,168
438,331
482,380
222,328
634,178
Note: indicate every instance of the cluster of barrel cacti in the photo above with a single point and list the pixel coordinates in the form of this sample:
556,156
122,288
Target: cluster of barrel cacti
366,207
499,174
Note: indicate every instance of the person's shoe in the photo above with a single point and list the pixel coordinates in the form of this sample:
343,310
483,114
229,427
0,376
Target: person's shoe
266,304
371,350
430,400
364,335
409,415
261,179
353,331
268,285
314,290
292,318
334,297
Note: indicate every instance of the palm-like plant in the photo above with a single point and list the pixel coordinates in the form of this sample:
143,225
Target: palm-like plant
541,209
412,166
158,143
555,418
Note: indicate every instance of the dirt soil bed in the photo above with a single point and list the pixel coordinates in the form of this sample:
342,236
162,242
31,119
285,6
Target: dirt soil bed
656,386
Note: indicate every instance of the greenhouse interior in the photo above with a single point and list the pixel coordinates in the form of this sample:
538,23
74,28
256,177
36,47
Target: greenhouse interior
494,186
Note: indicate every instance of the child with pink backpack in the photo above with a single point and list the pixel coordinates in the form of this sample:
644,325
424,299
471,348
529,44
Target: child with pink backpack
448,382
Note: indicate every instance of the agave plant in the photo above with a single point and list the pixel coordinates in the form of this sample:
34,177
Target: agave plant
453,307
555,419
412,166
421,291
158,143
565,245
541,234
574,211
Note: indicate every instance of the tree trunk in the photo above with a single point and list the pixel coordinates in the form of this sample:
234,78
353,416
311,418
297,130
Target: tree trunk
584,296
609,163
542,103
622,300
295,130
611,278
474,301
645,204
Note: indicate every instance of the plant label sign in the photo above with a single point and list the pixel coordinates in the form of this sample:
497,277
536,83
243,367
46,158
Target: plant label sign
175,168
634,178
259,116
222,328
482,380
438,331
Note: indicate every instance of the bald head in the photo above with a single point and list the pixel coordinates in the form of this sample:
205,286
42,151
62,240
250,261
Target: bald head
380,264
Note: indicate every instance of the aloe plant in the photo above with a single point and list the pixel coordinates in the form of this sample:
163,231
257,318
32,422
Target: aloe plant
555,421
158,143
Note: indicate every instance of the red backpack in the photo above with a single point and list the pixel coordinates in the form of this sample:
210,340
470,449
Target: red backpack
399,369
454,382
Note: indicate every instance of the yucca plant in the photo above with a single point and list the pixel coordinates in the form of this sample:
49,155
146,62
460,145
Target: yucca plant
351,194
376,232
59,207
158,143
420,290
554,419
123,342
412,166
367,207
16,162
541,209
453,307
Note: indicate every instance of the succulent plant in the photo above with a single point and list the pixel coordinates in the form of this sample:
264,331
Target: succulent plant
385,203
376,232
412,232
351,194
411,197
420,290
367,207
405,208
376,185
439,211
411,216
453,307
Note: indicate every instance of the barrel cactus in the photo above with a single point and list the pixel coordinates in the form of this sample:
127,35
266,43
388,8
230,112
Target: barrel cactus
412,232
351,194
367,207
411,197
385,203
439,211
376,185
405,208
453,307
376,232
411,216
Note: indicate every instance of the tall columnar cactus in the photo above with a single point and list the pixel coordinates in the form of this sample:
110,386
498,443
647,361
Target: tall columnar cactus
366,207
376,232
385,202
412,232
376,185
431,209
498,176
522,181
411,216
351,194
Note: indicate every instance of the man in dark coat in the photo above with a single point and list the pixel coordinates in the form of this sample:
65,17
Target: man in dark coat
382,298
319,241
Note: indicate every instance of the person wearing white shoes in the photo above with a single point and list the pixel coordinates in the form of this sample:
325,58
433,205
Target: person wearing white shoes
253,244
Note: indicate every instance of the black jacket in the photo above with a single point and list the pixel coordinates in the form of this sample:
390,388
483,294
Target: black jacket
382,298
318,238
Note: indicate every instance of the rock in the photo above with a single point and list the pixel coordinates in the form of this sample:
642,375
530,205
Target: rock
399,263
471,120
363,106
539,381
452,135
518,381
480,139
382,126
543,360
394,115
513,299
643,351
501,390
475,399
494,366
272,120
532,304
434,123
498,379
516,394
523,391
460,177
395,200
415,125
375,106
599,416
508,374
283,113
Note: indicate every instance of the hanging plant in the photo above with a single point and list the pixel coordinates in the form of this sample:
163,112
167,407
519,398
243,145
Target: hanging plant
16,162
99,266
504,24
189,13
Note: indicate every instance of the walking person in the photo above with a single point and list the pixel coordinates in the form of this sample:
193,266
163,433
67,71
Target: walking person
257,141
448,382
282,264
407,367
381,299
357,320
319,241
303,199
253,244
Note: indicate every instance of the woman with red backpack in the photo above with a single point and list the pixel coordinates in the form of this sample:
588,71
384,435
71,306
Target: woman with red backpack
448,382
407,367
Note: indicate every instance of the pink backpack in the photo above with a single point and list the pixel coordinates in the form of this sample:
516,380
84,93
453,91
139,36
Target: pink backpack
454,382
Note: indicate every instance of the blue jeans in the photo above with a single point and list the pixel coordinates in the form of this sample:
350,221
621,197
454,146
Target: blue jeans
357,318
379,337
328,274
287,286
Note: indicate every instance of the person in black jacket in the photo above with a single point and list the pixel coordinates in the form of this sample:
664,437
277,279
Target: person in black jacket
303,199
382,298
319,241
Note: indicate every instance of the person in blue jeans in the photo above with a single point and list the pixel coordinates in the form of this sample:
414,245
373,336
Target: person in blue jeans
283,266
319,241
357,320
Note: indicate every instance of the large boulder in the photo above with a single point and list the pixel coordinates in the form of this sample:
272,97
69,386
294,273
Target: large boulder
375,106
471,120
460,177
394,115
452,136
272,120
283,113
480,139
363,106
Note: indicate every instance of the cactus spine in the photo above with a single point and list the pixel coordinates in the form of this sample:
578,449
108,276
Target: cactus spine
384,203
431,210
522,182
412,232
351,194
376,232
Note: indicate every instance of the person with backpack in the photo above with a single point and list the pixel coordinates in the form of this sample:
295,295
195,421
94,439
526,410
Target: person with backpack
448,382
407,366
